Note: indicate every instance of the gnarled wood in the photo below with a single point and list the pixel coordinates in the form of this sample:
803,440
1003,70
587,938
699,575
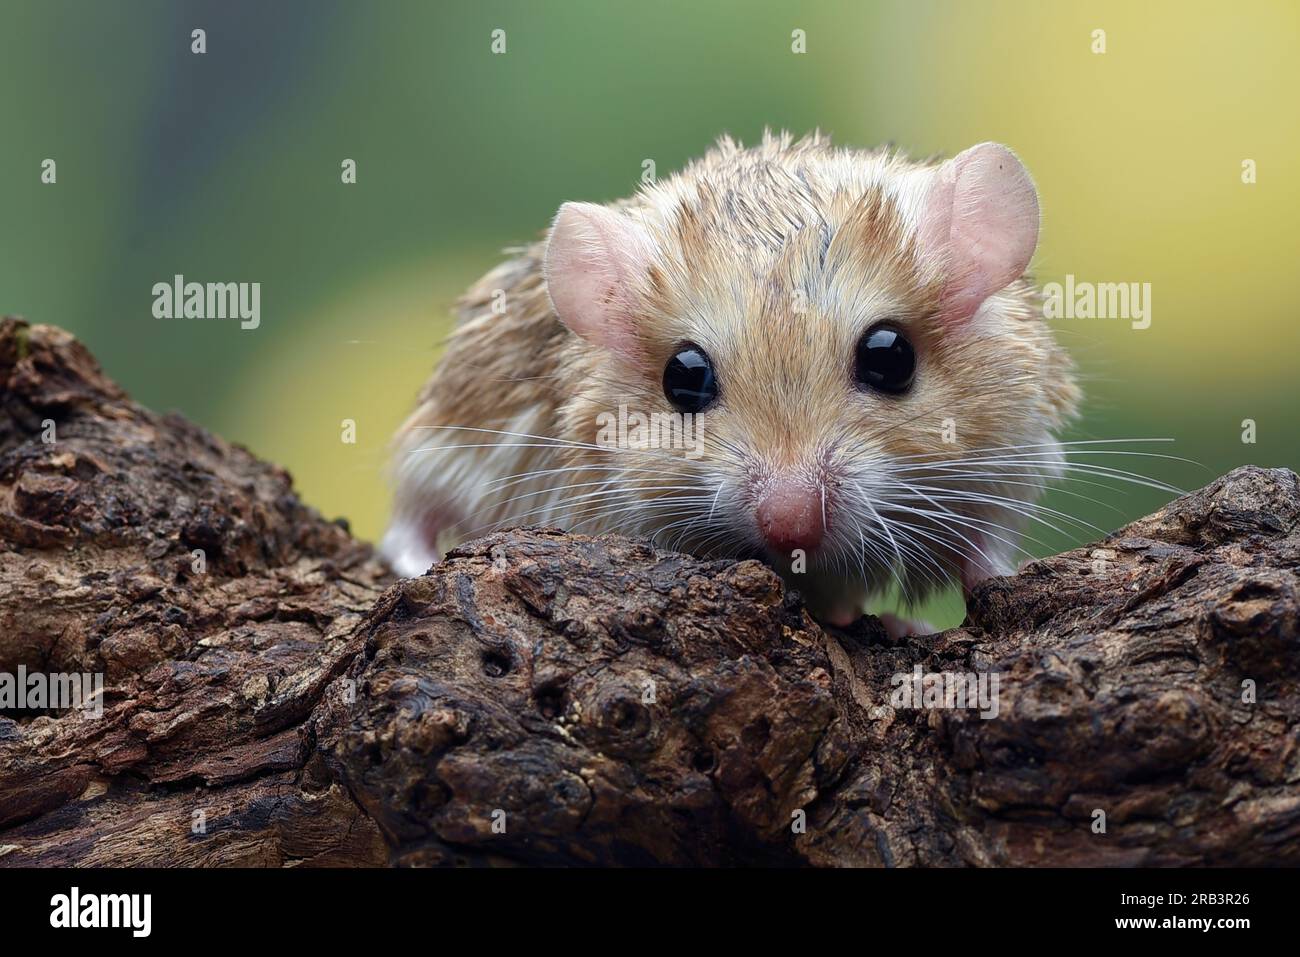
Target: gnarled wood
547,698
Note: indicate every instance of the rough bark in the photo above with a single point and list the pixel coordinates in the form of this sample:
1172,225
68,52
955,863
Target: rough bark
547,698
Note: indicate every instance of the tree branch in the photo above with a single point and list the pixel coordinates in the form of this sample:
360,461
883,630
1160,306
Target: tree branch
274,696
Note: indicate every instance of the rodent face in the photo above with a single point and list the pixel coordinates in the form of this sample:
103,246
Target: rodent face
798,459
794,430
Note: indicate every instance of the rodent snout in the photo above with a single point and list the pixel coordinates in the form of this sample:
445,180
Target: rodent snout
792,516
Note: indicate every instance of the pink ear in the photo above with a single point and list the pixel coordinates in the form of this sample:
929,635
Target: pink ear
979,225
594,260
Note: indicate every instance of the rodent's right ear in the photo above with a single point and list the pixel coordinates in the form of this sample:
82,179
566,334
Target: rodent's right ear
595,258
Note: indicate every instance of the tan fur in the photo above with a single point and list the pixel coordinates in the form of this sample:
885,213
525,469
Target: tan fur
774,259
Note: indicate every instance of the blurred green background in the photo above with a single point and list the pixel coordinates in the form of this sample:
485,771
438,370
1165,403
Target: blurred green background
226,167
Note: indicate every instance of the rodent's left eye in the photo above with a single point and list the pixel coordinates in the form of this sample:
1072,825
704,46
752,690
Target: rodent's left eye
689,382
885,360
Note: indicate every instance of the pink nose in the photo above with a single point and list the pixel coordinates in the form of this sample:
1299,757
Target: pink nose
790,517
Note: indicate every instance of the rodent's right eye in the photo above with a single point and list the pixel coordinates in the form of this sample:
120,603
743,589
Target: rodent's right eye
689,381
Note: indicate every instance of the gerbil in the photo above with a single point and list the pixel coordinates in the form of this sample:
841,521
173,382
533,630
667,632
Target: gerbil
877,390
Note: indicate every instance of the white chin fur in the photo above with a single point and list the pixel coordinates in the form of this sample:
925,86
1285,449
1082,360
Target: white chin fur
405,551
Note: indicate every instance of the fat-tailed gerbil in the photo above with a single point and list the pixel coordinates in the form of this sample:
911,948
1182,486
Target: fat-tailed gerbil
877,392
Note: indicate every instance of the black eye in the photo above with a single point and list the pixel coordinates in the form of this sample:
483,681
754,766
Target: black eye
689,382
885,360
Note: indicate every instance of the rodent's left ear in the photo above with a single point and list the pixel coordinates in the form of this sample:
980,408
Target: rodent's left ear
979,225
595,257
